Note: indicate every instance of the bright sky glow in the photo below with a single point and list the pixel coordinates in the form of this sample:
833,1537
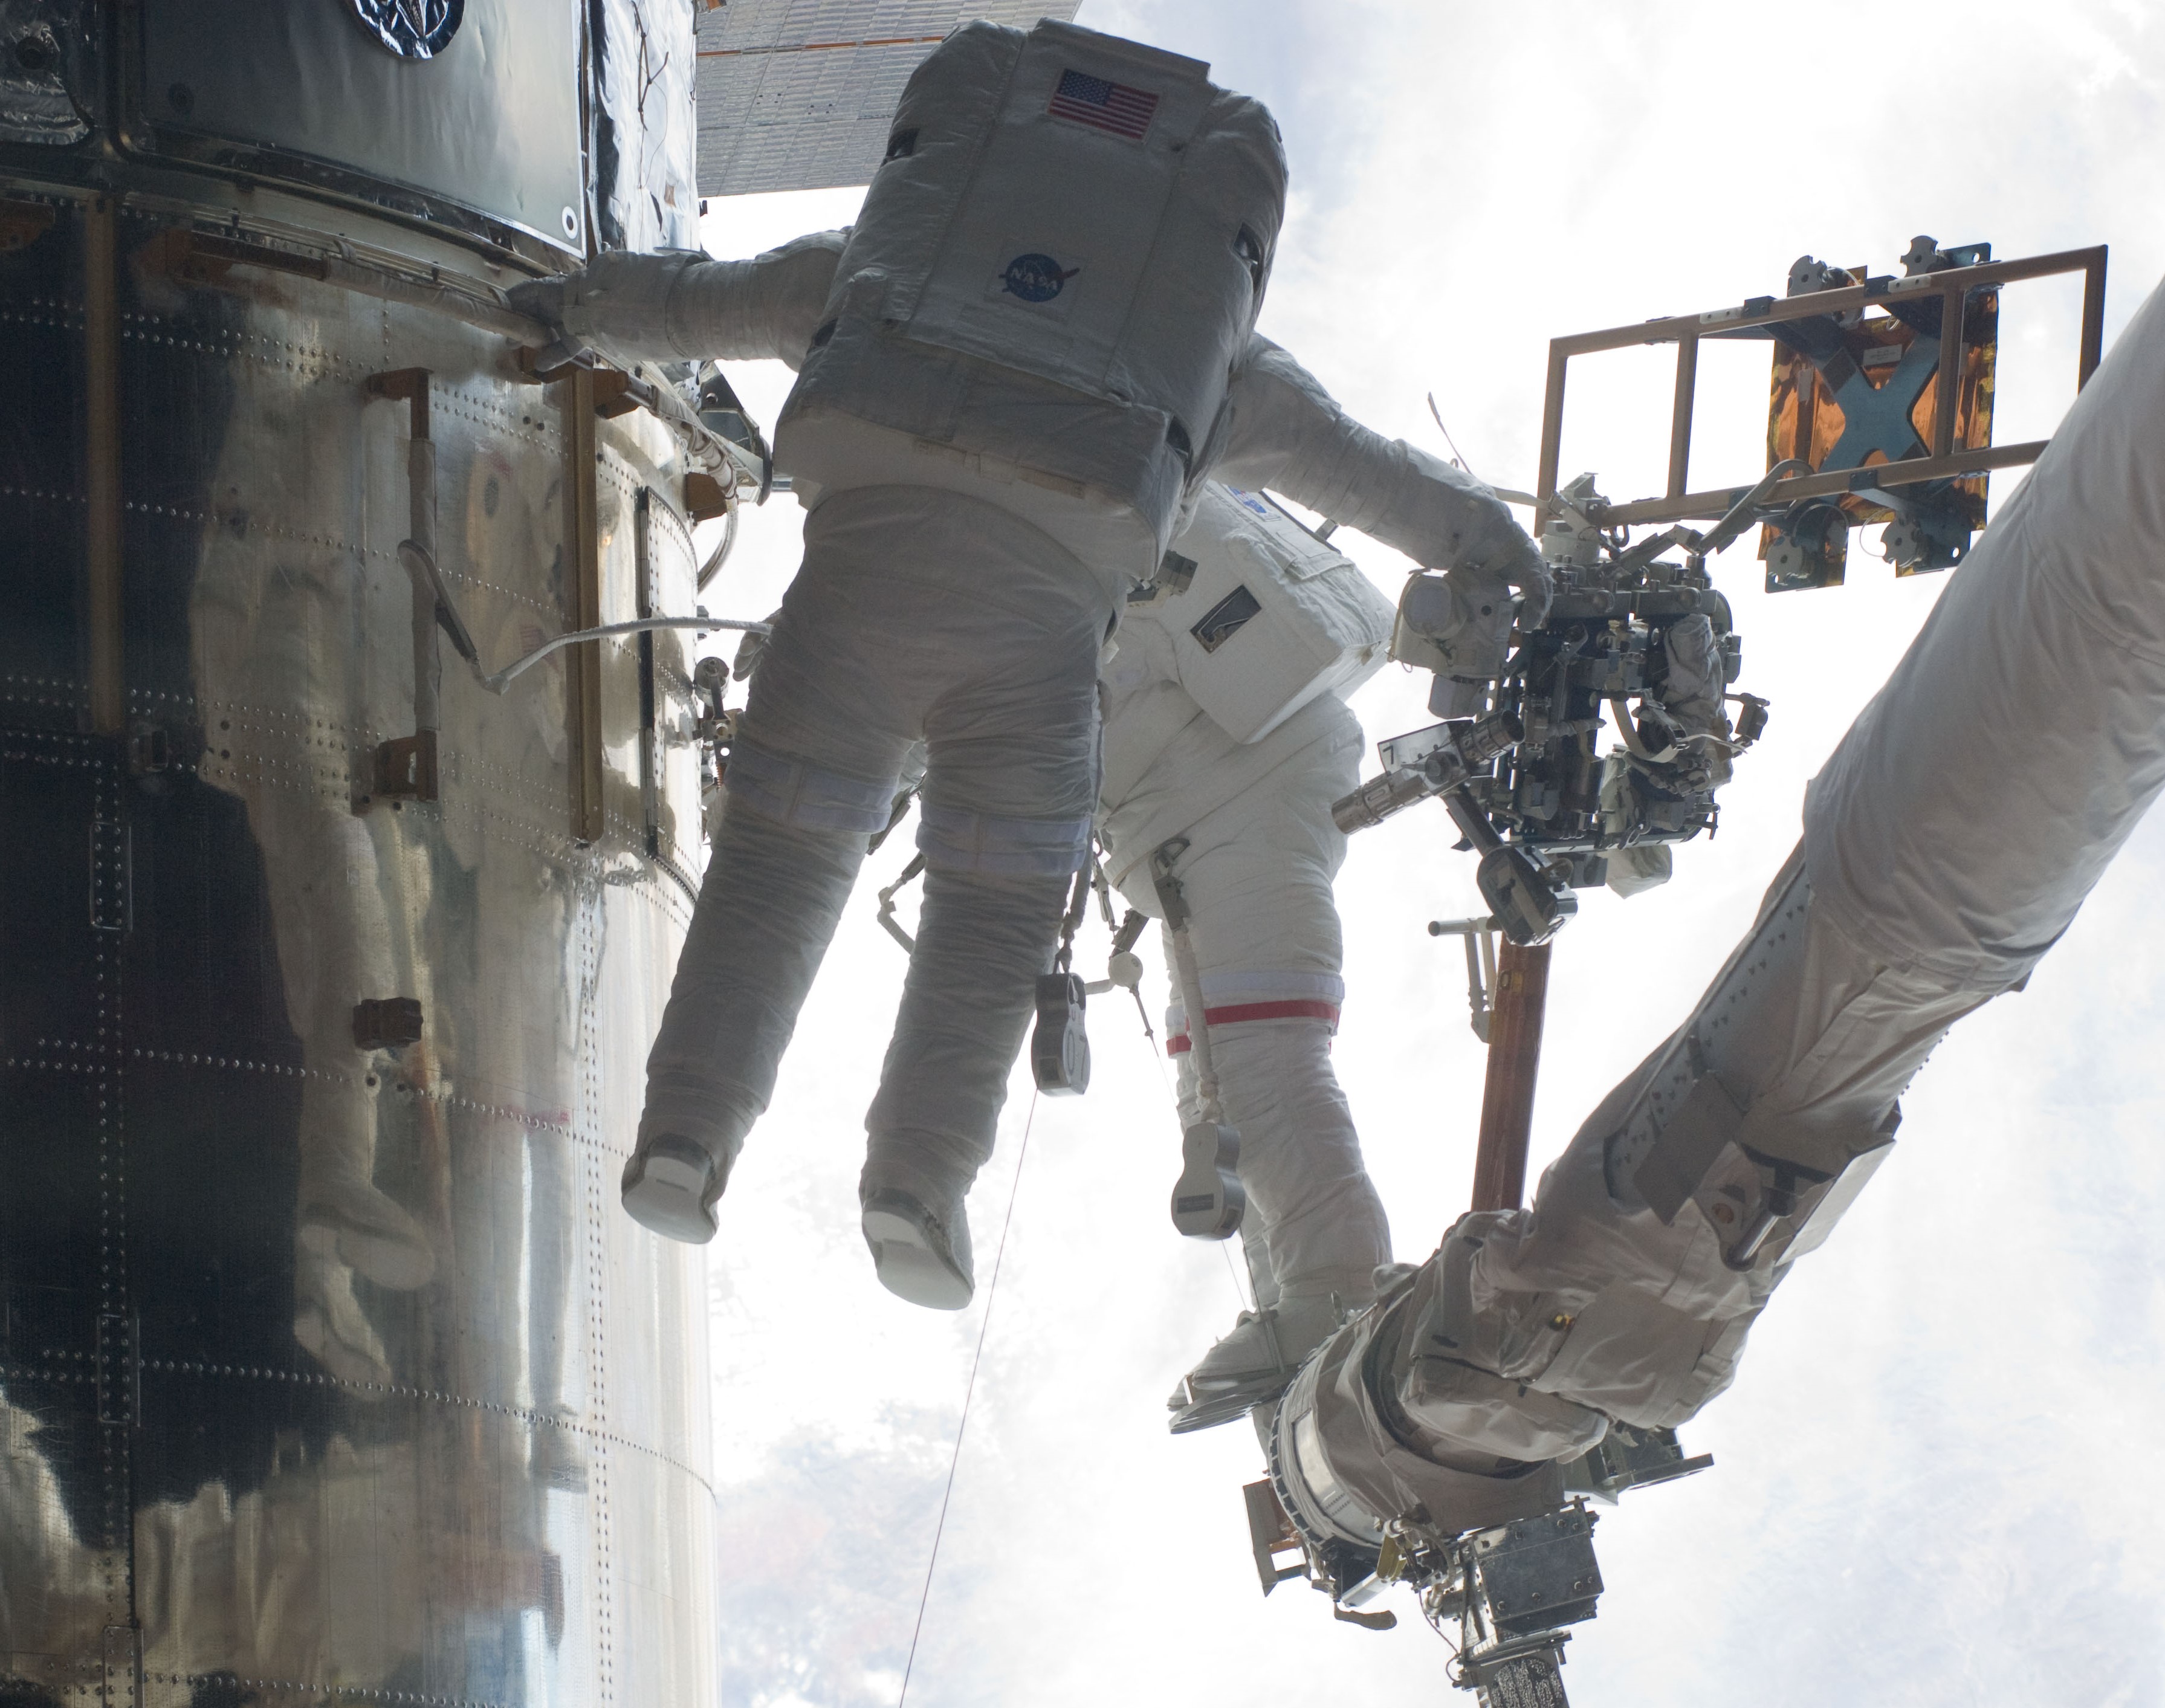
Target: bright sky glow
1930,1475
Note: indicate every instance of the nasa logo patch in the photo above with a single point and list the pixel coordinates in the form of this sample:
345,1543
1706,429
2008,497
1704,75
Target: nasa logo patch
1035,278
414,30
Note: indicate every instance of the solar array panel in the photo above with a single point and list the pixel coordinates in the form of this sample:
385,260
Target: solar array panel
798,94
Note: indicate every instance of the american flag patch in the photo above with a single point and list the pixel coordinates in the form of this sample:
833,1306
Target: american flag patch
1103,104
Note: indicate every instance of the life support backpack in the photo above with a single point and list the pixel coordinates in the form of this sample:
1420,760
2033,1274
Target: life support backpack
1053,275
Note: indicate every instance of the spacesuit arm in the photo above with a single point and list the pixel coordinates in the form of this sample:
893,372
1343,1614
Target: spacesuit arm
678,306
1286,432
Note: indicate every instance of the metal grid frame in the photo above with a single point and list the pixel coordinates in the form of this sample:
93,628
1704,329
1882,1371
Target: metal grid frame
1685,331
800,94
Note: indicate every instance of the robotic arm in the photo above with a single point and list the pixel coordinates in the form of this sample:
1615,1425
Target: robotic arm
1948,843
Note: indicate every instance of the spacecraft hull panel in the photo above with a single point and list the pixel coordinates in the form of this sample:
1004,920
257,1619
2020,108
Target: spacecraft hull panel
491,123
323,1367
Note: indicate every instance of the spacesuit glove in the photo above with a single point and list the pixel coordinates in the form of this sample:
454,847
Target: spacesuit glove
1528,571
542,300
1507,556
539,299
616,305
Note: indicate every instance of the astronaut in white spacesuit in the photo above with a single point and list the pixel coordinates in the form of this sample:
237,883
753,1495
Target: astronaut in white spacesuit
1022,360
1226,740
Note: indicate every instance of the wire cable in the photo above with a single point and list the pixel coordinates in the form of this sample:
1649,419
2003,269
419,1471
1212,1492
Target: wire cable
970,1388
1447,439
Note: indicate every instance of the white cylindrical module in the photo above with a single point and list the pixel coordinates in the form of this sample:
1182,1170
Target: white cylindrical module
328,1363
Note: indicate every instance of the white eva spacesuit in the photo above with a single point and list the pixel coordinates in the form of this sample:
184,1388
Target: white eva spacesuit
1226,743
1017,372
1226,754
1947,846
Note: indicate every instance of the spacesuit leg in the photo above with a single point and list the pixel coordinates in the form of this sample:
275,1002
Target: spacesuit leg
1309,1195
810,779
918,614
1257,874
1257,878
774,891
982,941
326,882
1010,782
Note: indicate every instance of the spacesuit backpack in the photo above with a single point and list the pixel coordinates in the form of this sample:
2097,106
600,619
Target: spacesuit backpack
1054,273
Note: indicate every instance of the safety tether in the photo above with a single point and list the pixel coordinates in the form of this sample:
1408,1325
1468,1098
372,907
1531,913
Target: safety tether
1174,900
1071,921
969,1390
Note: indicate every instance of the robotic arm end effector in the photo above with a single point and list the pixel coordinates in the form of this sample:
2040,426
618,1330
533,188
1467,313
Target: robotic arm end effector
1497,1547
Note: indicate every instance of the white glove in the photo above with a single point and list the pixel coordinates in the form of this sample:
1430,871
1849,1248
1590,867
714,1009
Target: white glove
1517,562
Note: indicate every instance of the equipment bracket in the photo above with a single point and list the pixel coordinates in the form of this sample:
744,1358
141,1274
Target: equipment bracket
1943,459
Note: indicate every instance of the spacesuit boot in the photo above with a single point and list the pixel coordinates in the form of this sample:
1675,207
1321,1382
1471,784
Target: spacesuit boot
671,1184
920,1250
983,938
1255,1361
